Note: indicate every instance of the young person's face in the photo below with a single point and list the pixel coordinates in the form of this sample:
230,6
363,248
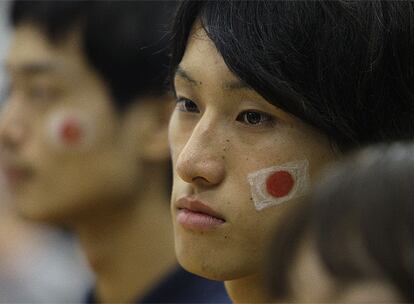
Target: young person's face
220,132
65,151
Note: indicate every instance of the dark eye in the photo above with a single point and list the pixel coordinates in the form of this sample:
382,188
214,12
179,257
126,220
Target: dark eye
251,117
186,105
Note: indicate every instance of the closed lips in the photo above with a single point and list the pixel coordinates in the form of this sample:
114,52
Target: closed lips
196,206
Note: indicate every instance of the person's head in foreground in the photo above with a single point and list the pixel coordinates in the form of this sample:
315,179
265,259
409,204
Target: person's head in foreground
268,92
83,132
352,240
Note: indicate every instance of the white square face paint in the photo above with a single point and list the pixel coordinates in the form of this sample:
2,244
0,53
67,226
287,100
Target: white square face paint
275,185
69,129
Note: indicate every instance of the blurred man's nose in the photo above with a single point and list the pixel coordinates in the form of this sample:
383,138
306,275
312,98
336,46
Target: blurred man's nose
14,123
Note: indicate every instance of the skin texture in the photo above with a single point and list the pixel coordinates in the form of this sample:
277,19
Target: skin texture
214,147
108,190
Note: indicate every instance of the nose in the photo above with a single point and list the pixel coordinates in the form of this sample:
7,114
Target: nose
201,161
13,124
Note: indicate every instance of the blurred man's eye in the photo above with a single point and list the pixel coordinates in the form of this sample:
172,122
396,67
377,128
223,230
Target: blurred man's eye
40,93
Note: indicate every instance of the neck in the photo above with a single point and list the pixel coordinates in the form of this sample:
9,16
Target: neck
246,290
130,248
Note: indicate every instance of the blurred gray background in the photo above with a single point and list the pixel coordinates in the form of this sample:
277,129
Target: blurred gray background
4,43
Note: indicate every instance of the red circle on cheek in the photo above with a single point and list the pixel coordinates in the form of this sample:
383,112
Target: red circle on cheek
70,132
279,184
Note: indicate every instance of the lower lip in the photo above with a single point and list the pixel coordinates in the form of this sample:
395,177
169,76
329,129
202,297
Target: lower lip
197,221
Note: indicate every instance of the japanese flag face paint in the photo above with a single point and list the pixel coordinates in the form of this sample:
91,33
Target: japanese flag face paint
275,185
69,129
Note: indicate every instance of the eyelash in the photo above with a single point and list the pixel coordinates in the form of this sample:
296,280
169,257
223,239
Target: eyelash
184,103
264,118
189,106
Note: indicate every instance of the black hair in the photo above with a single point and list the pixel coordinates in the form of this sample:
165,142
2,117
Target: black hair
125,41
344,67
361,219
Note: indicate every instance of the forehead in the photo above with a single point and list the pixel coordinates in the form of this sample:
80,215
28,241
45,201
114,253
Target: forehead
32,53
204,72
202,59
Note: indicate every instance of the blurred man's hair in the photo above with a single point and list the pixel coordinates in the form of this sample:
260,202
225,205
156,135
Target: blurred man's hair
125,42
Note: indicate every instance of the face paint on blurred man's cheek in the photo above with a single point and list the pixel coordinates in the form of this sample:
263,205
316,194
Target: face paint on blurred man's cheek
69,129
278,184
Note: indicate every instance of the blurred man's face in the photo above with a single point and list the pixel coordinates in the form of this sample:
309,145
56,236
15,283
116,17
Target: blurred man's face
65,151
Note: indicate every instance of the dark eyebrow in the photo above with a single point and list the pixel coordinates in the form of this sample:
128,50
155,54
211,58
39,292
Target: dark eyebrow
32,69
183,74
231,85
237,85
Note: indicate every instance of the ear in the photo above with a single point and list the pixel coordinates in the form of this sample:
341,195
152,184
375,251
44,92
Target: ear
149,121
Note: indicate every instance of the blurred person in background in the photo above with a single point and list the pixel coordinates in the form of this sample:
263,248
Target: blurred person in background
38,263
84,140
352,240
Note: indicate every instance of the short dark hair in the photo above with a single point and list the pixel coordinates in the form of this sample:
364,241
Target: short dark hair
344,67
361,219
125,41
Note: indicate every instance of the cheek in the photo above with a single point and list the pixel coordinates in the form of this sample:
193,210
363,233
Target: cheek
172,136
178,136
69,130
278,184
175,143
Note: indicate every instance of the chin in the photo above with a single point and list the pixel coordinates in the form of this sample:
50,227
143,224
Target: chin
38,215
205,257
41,211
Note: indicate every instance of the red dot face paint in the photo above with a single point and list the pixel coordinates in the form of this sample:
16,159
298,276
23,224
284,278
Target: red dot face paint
70,132
275,185
279,184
